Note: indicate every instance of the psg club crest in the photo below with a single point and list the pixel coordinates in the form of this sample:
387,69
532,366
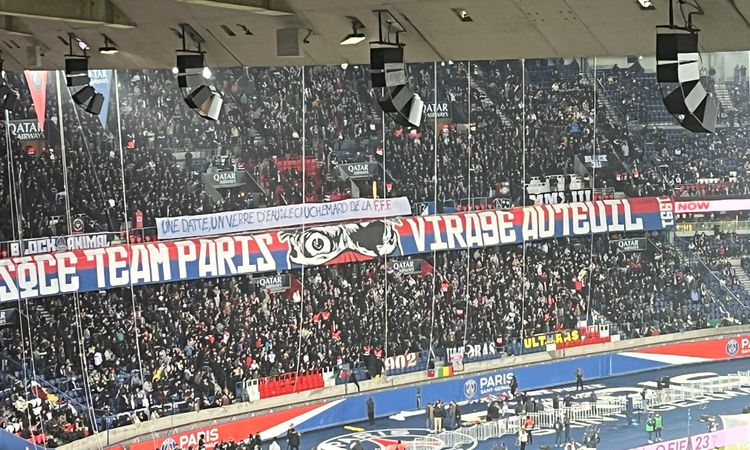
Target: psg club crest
388,439
732,347
168,444
470,388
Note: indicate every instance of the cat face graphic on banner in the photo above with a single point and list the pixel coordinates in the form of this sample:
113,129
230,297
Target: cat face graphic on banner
341,243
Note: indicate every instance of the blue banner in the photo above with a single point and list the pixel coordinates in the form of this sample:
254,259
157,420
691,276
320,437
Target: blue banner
101,80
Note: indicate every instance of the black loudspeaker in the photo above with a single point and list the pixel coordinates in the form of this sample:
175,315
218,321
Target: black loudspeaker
95,105
84,95
199,96
189,69
388,73
678,62
76,71
387,67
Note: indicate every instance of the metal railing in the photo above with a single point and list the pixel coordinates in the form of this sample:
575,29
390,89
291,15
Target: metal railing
580,412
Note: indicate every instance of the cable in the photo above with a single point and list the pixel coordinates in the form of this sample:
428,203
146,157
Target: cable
593,189
435,198
385,258
17,202
76,298
304,223
470,205
523,192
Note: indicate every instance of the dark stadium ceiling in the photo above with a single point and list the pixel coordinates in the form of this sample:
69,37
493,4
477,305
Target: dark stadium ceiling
243,32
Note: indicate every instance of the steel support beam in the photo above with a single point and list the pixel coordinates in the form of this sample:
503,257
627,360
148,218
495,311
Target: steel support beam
99,12
11,25
262,7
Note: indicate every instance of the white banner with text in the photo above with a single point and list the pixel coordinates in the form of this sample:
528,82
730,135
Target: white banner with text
281,217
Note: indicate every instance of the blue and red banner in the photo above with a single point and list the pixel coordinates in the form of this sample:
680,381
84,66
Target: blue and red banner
160,262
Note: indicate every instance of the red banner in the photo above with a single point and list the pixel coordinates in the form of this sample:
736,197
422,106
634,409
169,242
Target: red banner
37,81
236,430
712,349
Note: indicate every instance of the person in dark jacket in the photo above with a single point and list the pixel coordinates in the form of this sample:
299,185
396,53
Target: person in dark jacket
292,439
513,385
370,411
558,433
353,379
439,416
579,379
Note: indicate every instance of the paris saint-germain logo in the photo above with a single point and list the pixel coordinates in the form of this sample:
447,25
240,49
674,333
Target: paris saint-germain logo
168,444
470,388
732,347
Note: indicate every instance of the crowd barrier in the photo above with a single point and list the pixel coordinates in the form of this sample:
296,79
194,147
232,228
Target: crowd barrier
581,412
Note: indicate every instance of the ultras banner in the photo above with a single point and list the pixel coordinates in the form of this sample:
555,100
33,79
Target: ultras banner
105,268
258,219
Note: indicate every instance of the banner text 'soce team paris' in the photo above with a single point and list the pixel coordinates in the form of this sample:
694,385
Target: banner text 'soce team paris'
160,262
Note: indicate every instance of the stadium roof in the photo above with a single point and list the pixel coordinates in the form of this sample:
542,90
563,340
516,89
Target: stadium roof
144,31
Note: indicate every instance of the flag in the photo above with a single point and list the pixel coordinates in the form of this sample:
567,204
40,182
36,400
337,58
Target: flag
37,81
101,80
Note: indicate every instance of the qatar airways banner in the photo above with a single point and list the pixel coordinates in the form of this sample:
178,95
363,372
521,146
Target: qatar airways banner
281,217
97,269
706,206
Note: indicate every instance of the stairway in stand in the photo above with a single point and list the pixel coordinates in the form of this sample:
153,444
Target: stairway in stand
742,276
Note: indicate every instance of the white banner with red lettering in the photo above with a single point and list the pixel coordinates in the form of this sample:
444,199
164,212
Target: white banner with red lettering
707,206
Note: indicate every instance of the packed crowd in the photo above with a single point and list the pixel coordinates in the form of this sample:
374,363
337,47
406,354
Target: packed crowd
500,127
186,346
178,347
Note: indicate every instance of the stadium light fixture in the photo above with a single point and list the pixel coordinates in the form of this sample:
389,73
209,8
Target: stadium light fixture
646,4
463,15
109,47
355,37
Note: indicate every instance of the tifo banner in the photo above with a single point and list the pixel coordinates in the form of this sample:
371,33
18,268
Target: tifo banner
539,342
554,197
101,80
60,243
403,361
281,217
470,352
705,206
37,81
161,262
631,245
